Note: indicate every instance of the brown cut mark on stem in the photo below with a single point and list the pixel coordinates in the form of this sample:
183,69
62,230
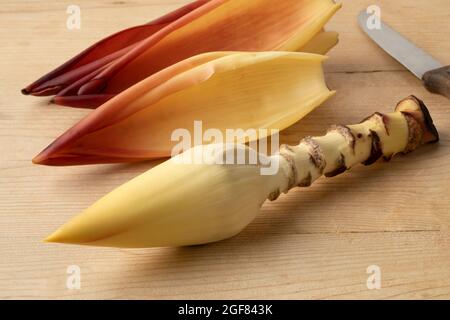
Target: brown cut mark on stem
347,133
340,168
287,155
381,118
316,154
306,182
415,136
376,151
275,195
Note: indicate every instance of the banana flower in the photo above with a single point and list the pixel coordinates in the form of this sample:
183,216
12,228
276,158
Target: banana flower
182,203
116,63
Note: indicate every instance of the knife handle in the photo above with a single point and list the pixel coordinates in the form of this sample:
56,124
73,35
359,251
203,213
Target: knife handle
438,81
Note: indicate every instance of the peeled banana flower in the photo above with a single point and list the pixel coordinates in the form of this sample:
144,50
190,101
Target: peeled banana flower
180,203
223,90
125,58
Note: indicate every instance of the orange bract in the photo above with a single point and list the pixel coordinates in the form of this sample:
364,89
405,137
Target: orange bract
224,90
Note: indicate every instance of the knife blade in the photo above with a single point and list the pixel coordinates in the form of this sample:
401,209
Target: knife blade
436,77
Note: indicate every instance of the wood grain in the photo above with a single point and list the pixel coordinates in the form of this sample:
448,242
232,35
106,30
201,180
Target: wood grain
311,244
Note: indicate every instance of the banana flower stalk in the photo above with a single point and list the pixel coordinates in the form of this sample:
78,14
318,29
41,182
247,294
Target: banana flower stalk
181,203
116,63
223,90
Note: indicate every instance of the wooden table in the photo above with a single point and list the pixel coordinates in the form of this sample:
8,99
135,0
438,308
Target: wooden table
314,244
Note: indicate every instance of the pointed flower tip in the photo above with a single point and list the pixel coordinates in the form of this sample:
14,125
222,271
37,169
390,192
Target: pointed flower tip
60,237
53,238
73,234
49,239
39,159
44,159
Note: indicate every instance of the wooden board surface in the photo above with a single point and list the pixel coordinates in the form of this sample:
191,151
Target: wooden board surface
314,243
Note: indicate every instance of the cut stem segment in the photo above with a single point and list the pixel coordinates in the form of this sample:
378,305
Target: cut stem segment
343,147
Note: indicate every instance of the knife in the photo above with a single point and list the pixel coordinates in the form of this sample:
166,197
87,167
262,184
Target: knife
434,75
